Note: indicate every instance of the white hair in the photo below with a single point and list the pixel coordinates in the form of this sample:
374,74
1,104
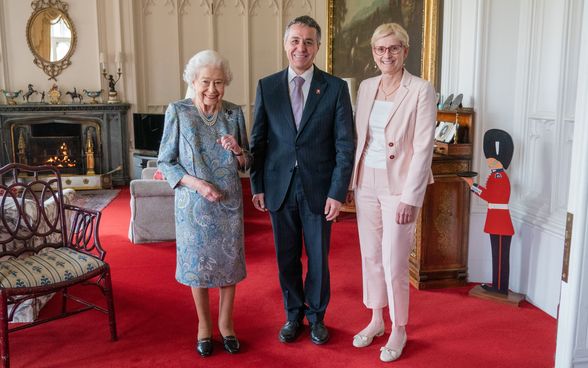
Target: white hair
205,59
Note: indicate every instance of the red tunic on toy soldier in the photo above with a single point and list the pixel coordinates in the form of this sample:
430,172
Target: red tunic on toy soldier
498,149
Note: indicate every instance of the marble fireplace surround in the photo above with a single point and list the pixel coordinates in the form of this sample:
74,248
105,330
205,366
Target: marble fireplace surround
110,118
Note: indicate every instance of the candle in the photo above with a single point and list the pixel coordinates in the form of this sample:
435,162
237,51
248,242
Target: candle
118,59
101,57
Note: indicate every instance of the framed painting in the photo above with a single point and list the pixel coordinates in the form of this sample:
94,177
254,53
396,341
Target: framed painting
351,24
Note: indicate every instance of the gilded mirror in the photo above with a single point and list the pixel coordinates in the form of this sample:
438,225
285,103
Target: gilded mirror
51,36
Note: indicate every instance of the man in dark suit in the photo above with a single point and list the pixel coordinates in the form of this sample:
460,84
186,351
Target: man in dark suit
302,144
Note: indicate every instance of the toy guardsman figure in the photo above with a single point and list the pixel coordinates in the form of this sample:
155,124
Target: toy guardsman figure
498,149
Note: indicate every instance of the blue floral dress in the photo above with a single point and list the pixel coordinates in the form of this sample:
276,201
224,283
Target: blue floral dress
209,235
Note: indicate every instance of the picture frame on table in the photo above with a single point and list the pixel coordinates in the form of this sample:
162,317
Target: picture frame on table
351,24
445,132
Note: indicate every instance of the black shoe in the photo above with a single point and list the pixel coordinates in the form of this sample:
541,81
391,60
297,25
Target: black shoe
231,344
319,333
204,346
290,331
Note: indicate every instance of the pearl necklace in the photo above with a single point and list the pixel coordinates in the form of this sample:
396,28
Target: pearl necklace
209,121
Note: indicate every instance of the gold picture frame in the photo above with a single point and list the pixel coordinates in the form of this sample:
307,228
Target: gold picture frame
351,39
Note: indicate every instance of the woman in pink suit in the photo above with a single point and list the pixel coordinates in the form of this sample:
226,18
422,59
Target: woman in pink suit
395,123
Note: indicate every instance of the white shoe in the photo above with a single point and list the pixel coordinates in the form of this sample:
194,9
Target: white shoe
389,355
361,341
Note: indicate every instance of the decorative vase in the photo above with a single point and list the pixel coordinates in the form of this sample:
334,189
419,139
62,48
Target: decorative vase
10,96
93,95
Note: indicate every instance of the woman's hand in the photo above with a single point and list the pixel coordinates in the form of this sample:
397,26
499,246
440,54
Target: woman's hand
230,144
204,188
405,213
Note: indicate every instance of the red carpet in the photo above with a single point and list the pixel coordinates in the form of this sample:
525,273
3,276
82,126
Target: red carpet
157,320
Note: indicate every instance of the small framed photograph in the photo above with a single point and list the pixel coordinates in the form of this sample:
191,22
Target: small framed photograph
445,132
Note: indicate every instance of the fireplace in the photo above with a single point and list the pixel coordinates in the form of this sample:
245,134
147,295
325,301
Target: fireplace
72,145
82,140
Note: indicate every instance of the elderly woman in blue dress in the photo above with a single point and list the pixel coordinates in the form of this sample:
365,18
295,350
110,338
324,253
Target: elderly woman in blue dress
203,147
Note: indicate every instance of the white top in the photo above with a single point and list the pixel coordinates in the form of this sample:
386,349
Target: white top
375,151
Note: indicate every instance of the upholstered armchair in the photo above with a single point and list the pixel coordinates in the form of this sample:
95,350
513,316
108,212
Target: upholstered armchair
152,209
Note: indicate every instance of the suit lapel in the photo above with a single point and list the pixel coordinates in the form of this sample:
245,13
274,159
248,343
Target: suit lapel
318,88
370,95
400,95
281,95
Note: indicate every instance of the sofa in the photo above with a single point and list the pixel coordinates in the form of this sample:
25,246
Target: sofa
152,209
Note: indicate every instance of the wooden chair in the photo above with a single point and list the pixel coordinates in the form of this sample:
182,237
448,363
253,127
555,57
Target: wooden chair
46,246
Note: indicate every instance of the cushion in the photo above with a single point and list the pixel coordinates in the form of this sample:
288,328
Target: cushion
51,267
158,175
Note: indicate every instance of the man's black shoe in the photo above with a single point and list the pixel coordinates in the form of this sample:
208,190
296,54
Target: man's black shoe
319,333
290,331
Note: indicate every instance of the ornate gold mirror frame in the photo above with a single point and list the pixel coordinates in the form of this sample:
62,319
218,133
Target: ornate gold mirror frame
40,40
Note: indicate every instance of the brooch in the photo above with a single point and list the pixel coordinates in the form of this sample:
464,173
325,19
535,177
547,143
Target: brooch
228,113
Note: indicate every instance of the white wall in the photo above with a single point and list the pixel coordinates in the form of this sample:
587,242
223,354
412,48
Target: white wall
519,72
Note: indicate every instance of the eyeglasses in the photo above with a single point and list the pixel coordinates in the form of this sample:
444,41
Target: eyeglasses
394,49
207,82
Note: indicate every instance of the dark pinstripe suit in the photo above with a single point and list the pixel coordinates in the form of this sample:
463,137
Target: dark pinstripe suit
323,148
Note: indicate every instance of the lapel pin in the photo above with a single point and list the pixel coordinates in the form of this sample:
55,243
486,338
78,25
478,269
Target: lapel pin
318,91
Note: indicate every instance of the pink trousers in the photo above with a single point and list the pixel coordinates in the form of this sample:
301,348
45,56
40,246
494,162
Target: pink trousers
385,246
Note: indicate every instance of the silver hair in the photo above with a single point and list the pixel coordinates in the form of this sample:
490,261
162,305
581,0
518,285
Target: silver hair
307,21
205,59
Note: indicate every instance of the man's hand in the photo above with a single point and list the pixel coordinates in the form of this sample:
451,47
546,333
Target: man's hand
259,202
405,213
332,208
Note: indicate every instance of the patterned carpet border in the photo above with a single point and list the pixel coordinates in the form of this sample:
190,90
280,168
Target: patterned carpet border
95,199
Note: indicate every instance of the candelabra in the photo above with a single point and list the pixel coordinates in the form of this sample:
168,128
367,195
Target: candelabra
112,93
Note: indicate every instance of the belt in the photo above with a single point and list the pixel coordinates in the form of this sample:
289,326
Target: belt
498,206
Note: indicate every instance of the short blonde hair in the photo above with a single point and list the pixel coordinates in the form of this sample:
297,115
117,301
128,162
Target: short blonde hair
205,59
387,29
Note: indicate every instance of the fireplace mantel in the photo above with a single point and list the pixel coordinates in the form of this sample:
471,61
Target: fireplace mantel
112,119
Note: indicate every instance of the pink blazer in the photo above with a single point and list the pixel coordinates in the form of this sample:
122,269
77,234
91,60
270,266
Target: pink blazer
409,136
